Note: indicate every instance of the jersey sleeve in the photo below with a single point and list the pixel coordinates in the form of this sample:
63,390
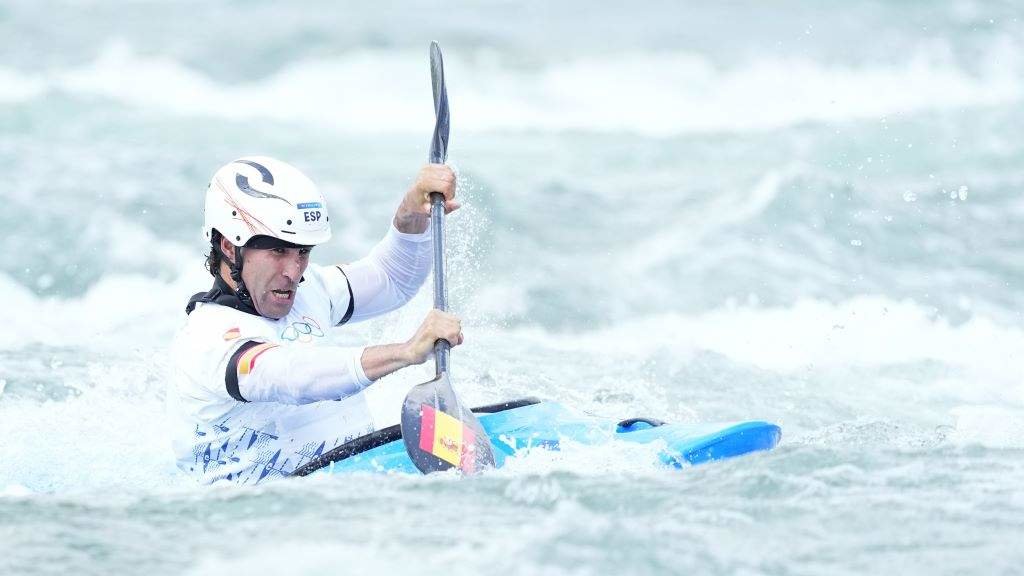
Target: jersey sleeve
388,277
227,356
264,372
210,341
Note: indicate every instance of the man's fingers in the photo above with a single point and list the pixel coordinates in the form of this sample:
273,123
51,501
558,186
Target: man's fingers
456,340
437,178
448,191
445,326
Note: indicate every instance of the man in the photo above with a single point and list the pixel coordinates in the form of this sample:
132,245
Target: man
254,391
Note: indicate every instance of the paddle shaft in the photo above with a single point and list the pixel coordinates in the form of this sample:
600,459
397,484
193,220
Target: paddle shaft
442,346
438,155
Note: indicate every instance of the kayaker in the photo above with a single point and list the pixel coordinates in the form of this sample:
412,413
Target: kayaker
254,392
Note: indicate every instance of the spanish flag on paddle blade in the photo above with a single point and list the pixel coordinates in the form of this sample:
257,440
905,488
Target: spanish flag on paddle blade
447,438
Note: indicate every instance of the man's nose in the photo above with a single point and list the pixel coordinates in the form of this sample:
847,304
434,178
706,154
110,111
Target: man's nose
293,268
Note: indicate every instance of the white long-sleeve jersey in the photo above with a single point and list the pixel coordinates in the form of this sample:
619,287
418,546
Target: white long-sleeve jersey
254,398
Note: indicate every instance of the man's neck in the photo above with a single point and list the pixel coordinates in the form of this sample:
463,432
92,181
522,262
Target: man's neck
225,276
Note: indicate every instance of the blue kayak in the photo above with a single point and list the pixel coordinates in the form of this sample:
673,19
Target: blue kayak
530,423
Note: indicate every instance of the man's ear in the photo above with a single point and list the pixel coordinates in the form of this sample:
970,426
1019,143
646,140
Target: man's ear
227,249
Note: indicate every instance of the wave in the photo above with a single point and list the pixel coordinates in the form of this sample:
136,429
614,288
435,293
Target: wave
865,331
868,359
653,93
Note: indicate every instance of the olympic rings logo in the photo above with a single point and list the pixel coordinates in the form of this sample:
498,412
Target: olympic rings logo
303,330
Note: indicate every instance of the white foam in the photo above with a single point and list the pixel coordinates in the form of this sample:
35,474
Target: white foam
15,491
657,93
132,307
16,87
988,425
119,312
604,459
109,433
108,429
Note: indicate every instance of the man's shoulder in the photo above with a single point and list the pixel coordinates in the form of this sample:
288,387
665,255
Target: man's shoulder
318,285
212,322
316,276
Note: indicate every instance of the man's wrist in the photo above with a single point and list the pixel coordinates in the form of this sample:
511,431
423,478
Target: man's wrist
405,354
409,222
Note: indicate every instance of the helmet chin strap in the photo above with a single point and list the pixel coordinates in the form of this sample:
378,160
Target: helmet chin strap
235,266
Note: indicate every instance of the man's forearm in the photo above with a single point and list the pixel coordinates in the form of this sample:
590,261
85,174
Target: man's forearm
379,361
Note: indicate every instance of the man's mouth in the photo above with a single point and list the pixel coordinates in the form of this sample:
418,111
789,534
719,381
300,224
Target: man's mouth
282,295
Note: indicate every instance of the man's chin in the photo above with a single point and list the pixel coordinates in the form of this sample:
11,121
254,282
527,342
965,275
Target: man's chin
274,312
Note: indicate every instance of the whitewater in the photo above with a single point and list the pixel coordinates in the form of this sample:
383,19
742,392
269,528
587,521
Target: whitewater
810,214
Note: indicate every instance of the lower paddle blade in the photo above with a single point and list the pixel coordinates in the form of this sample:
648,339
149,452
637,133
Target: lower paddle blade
440,434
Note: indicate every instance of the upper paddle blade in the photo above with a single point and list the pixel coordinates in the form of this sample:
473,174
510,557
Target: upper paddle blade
439,145
440,433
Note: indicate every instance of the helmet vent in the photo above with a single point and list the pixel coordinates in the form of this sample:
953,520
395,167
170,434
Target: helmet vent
242,182
264,173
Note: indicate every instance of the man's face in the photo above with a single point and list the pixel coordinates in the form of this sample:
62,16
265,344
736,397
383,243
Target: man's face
272,276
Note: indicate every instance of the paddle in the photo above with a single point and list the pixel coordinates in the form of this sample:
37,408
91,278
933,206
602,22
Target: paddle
438,431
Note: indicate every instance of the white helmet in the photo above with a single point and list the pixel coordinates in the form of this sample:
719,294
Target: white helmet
261,196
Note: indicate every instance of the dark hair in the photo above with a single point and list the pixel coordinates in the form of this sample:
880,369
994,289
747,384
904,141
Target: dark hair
213,258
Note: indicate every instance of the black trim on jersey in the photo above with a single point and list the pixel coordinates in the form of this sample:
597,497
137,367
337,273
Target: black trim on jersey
231,372
351,299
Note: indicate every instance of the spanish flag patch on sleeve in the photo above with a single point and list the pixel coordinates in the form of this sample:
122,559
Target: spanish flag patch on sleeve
242,362
247,361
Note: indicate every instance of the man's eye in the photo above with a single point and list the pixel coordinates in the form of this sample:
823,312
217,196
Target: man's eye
305,251
278,250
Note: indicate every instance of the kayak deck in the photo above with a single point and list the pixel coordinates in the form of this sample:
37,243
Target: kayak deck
529,423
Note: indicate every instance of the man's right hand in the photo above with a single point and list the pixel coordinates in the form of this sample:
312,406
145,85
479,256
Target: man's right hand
436,326
379,361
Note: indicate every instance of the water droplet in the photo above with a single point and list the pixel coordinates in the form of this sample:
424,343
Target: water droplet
909,196
855,242
962,193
